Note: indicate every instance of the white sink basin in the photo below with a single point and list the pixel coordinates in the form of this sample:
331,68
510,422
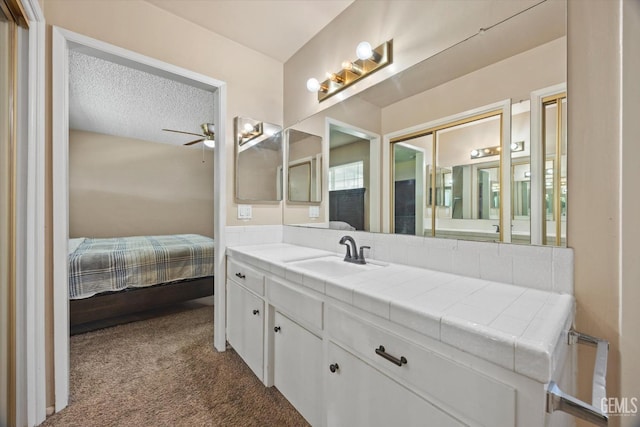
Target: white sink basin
332,266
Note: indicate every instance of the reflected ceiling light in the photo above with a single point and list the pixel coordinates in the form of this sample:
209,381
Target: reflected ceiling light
369,60
478,153
549,171
249,131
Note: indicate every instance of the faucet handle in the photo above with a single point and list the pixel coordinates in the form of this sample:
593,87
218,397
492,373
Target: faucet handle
361,255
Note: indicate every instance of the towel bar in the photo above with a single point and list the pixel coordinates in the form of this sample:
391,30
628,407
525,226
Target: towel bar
557,400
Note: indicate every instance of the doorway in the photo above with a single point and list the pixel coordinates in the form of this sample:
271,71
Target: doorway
353,176
63,42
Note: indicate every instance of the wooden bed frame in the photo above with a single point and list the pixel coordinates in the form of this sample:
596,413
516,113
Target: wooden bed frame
134,300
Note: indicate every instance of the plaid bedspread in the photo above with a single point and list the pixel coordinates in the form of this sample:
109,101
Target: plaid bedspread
113,264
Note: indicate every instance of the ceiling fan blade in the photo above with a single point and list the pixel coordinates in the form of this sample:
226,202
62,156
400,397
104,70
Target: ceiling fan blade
194,142
179,131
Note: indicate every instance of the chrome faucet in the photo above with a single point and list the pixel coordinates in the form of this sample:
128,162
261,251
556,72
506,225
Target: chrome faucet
352,251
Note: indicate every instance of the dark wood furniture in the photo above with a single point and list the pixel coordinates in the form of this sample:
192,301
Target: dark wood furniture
347,206
134,300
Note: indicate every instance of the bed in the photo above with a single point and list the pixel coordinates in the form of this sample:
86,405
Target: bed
110,277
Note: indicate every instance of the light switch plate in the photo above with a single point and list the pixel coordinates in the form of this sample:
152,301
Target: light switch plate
314,211
244,212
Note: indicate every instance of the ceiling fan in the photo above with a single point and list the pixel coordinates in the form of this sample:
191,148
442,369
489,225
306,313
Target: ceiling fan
207,135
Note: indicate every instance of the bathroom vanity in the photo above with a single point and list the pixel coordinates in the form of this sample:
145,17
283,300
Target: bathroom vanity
389,344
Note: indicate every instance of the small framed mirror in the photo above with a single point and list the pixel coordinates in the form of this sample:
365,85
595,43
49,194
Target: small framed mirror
304,167
258,155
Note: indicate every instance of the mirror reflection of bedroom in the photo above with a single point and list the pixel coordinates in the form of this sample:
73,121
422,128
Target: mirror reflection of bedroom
349,180
140,193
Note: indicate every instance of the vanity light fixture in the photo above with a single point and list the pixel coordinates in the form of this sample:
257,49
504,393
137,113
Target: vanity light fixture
494,151
369,60
249,131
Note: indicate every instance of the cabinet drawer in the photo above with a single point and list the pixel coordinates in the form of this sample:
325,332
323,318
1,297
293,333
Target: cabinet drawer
462,390
298,305
359,395
245,276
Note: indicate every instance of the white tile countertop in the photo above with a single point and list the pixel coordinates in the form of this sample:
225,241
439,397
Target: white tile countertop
514,327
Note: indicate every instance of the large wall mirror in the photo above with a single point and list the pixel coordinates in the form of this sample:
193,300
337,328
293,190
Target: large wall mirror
467,144
304,166
258,156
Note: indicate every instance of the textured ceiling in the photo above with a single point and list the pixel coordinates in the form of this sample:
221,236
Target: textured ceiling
276,28
113,99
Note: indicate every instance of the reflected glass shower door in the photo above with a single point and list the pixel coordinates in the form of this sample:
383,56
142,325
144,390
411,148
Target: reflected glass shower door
555,172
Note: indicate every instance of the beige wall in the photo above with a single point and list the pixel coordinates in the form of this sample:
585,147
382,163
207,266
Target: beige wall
513,78
254,81
604,225
127,187
258,172
412,26
630,205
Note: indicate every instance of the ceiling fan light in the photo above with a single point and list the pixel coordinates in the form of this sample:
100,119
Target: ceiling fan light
211,143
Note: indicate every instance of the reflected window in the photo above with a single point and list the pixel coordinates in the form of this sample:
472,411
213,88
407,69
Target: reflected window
347,176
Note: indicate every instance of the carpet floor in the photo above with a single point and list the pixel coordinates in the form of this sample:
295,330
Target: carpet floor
165,372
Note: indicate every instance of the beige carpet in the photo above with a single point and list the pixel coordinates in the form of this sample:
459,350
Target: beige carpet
165,372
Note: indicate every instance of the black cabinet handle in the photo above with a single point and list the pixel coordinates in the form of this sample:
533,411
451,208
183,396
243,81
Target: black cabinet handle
380,352
276,329
334,367
256,312
240,275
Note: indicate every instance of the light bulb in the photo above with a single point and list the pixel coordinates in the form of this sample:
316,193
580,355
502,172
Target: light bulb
248,127
350,66
514,146
313,85
364,50
474,153
211,143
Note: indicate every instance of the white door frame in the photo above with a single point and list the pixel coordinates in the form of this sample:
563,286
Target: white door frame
63,40
537,161
29,348
420,174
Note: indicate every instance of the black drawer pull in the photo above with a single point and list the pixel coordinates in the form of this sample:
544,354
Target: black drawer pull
240,275
276,329
380,352
334,367
256,312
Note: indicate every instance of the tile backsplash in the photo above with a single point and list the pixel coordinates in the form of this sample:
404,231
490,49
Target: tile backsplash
538,267
253,234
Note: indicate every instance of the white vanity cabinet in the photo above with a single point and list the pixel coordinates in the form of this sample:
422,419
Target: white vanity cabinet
394,375
245,316
360,395
297,349
297,367
344,362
